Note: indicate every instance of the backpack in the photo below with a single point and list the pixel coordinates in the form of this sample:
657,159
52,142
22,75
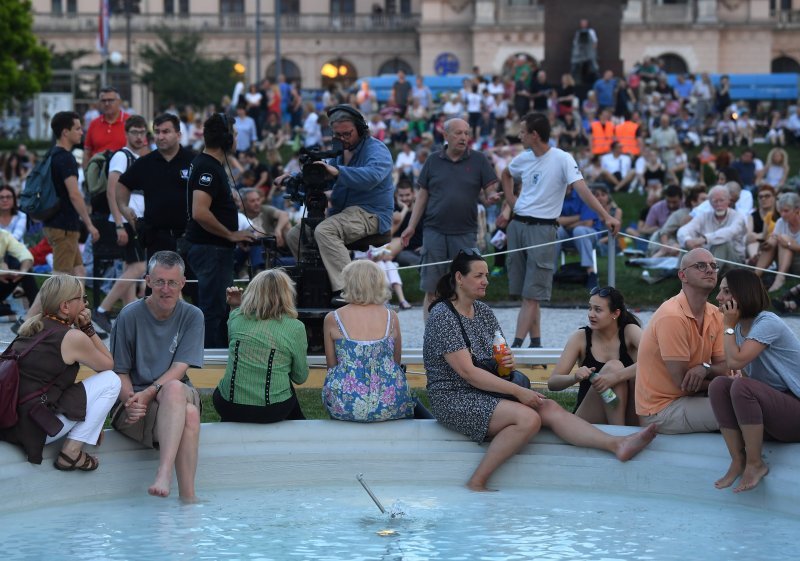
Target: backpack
38,198
96,177
9,382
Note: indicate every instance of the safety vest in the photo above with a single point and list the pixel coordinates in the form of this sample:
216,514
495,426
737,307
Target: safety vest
626,136
602,137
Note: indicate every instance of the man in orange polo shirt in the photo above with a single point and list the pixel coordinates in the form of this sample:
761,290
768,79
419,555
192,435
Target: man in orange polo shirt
106,132
681,350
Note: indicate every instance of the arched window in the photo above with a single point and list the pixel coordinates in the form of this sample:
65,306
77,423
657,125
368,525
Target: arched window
674,64
394,65
288,69
338,71
784,64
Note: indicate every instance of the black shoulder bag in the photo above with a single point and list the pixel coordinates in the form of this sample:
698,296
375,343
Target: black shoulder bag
490,365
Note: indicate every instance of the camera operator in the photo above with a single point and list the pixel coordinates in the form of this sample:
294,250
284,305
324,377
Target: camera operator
362,197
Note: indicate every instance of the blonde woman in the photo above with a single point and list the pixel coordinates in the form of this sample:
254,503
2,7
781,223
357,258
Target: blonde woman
64,339
776,171
266,353
365,382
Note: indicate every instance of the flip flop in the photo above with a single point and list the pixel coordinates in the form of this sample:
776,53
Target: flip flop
90,463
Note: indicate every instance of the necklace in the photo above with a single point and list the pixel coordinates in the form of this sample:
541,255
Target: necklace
58,319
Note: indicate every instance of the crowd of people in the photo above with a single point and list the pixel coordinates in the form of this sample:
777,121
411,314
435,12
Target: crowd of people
529,163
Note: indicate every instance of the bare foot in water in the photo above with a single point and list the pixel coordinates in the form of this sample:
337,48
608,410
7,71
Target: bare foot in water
751,477
160,487
479,487
734,471
635,443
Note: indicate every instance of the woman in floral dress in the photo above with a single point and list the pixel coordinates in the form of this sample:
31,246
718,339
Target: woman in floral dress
365,382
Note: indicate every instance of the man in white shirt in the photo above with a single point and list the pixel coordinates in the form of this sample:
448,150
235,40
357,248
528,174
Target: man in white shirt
404,163
722,232
617,168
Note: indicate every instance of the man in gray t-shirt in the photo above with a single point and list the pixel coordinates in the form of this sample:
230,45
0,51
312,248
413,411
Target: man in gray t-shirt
154,342
449,185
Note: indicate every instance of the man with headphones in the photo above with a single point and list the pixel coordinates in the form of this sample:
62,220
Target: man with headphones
362,197
213,230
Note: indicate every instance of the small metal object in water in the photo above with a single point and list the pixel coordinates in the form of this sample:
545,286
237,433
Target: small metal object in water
360,478
386,533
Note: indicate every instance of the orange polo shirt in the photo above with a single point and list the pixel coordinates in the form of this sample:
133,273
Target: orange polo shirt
672,334
103,135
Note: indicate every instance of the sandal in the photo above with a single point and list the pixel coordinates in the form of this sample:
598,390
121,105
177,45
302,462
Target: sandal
404,305
89,463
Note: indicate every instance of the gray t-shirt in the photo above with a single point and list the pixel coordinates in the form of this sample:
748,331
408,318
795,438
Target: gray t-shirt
776,366
453,189
144,347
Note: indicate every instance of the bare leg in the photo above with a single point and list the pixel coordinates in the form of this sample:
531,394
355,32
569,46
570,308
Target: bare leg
186,460
594,410
784,262
578,432
124,289
528,320
512,426
755,469
735,444
170,425
765,259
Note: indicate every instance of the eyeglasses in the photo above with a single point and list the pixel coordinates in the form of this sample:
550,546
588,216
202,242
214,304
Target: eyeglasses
702,266
137,132
83,296
108,100
604,292
347,134
471,252
161,283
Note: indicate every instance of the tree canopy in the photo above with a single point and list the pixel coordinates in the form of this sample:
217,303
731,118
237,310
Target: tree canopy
24,62
178,73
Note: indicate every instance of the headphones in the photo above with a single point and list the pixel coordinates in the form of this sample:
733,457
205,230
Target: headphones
227,136
358,119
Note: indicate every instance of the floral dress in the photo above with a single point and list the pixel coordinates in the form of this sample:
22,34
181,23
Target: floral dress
366,385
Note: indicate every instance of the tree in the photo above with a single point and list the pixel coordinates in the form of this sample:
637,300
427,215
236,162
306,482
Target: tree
24,63
178,73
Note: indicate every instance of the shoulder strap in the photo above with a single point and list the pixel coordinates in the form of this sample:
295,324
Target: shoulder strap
340,324
35,342
460,324
588,331
388,322
44,389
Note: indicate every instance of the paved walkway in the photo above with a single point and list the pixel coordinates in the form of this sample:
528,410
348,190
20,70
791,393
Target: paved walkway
557,325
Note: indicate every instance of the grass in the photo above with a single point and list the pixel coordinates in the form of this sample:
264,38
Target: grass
311,403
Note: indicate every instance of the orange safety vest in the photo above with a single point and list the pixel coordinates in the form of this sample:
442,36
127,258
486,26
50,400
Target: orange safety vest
602,137
626,135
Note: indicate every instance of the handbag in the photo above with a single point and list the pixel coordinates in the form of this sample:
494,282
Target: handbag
45,418
9,382
490,365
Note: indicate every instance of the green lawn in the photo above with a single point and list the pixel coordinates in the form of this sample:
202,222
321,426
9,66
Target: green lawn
311,403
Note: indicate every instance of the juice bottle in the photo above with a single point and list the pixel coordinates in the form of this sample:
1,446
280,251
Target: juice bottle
608,395
500,350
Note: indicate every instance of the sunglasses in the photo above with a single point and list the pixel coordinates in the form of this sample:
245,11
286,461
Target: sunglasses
604,292
471,252
702,266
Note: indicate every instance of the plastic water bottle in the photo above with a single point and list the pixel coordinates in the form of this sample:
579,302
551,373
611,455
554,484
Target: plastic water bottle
608,395
500,350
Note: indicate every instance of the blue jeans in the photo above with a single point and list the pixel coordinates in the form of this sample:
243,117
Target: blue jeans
213,267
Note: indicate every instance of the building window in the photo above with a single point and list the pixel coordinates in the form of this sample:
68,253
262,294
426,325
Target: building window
522,2
393,5
231,6
288,69
785,64
393,66
342,7
290,6
339,72
72,6
674,64
55,7
183,7
169,7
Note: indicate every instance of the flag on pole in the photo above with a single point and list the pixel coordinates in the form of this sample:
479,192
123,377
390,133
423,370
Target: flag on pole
103,27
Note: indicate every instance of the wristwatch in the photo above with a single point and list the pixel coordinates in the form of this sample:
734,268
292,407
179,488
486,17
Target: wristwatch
157,386
120,227
729,331
707,366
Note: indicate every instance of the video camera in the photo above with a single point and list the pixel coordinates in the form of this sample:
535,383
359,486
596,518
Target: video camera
312,178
